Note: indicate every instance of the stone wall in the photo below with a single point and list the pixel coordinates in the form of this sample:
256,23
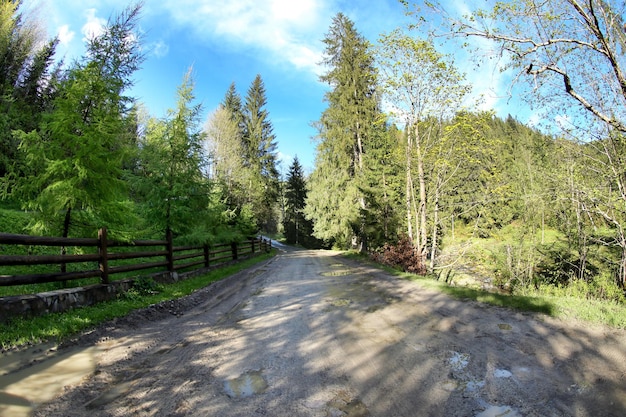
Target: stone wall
62,300
59,300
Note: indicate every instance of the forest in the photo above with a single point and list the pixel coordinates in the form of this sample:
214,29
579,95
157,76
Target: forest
405,170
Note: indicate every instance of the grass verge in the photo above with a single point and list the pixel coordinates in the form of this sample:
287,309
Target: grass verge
62,326
608,313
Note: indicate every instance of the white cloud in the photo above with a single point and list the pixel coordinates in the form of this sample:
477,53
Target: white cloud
287,30
94,25
159,48
65,35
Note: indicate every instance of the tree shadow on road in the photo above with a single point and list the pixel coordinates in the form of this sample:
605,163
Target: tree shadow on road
312,334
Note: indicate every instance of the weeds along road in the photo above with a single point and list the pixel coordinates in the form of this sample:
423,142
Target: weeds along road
309,333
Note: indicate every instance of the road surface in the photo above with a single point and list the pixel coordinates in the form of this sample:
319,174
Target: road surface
310,333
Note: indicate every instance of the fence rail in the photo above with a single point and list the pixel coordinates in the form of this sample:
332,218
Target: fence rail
172,258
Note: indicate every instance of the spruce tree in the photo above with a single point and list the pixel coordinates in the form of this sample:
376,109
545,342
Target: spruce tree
336,202
297,228
259,149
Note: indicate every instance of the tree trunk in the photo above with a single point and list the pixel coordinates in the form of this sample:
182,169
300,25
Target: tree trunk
423,232
434,243
409,187
622,277
66,233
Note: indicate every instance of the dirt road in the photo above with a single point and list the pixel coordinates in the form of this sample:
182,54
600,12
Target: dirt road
311,334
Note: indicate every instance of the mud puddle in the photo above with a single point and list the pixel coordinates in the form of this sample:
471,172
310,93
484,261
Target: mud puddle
248,384
32,377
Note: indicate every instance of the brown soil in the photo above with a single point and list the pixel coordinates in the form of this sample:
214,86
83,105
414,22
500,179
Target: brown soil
309,333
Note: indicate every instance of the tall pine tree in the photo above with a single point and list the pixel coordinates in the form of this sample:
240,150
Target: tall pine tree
298,229
336,202
259,147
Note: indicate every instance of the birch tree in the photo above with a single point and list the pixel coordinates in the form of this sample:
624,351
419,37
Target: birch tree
568,58
423,88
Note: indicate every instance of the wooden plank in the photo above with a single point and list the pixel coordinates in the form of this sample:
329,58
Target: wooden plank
188,256
135,255
136,267
13,260
103,262
10,280
189,264
12,239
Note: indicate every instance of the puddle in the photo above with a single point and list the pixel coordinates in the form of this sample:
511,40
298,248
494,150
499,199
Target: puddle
110,395
502,373
459,361
474,386
340,273
505,326
499,411
22,390
246,385
344,405
341,302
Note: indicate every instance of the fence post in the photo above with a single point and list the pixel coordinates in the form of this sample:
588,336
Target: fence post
233,248
252,240
207,253
104,256
170,250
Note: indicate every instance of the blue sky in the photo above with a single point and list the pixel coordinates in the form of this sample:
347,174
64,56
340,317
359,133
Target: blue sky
234,40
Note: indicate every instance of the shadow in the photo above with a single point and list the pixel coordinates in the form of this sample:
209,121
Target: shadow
310,333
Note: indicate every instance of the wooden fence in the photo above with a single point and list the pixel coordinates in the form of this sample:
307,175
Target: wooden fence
157,254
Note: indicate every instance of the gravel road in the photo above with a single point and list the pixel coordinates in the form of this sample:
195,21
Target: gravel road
310,333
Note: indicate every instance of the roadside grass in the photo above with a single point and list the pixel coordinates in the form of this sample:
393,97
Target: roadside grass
59,327
609,313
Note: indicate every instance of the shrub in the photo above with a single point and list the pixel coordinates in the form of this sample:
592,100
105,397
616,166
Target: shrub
401,255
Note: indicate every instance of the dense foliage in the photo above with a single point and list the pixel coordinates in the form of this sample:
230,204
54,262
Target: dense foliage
404,168
78,153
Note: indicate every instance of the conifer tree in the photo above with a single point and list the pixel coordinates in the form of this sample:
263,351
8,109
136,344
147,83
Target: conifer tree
336,202
25,80
75,159
259,149
172,181
297,228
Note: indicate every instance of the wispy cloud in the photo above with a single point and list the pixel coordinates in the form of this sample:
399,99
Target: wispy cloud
159,48
286,31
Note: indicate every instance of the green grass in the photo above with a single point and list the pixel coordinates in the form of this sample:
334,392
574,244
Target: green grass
62,326
609,313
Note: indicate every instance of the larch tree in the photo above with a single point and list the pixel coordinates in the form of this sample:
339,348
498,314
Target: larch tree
336,203
225,150
75,159
25,79
172,183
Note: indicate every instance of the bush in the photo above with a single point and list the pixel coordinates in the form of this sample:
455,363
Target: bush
401,255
